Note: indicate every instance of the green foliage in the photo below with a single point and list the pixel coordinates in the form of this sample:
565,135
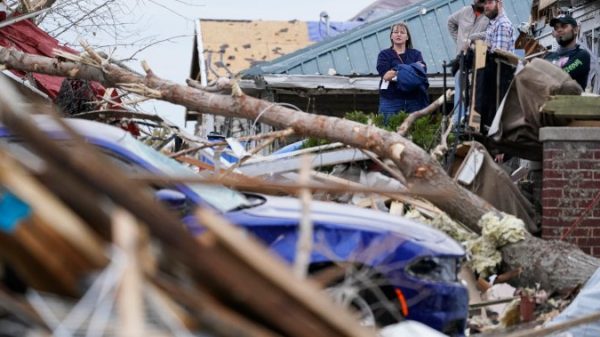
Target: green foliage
313,142
424,132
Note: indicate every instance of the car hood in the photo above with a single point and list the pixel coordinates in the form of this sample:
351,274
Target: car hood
287,211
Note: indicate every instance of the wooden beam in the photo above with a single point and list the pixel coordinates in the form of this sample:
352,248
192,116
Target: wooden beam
54,212
582,107
130,298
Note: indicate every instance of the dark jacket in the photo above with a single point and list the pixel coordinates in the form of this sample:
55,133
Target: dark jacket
575,62
388,59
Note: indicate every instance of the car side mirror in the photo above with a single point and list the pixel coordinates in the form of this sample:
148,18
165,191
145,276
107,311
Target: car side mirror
173,199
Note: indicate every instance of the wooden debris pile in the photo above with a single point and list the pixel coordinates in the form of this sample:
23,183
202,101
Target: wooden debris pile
122,260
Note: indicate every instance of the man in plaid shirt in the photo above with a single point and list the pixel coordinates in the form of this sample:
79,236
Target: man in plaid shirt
499,32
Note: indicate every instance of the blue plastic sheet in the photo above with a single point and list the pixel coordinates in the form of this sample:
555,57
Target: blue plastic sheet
317,31
586,303
12,211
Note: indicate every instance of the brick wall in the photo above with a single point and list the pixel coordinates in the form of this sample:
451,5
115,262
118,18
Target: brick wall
571,181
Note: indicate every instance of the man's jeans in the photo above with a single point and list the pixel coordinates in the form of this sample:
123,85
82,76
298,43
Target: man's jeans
459,114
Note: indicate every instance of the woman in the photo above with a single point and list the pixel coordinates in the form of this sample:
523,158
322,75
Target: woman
403,85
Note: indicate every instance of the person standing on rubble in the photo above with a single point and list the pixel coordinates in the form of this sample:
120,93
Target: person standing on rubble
465,25
468,24
569,56
499,33
403,85
493,80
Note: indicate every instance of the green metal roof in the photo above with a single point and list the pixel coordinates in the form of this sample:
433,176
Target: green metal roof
354,53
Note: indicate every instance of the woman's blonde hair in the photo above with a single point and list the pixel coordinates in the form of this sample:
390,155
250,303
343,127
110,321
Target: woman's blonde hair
401,24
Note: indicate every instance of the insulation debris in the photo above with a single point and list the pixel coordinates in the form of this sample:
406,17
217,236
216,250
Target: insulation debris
444,223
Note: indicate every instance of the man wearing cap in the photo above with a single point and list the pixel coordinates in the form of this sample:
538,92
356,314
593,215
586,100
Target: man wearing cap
569,56
467,24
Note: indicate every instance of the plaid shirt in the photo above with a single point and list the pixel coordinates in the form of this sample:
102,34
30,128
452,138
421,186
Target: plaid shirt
499,34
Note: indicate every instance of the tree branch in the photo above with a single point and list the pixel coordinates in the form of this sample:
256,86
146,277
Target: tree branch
410,120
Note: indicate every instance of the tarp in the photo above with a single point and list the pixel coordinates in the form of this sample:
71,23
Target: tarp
516,126
482,176
25,36
586,303
317,30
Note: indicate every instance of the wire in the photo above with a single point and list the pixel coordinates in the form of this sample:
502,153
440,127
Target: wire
578,221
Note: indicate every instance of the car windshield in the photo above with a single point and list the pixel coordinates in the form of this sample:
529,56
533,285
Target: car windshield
222,198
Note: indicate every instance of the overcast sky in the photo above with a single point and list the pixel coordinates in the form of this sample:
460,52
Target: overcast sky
172,59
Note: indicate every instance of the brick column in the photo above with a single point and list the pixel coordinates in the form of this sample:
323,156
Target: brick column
571,181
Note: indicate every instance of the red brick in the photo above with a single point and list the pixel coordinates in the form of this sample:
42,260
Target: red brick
550,233
554,183
588,153
550,203
570,239
596,232
596,154
553,174
553,146
570,164
588,164
589,183
591,222
569,207
550,212
580,233
552,193
588,242
587,250
596,251
552,222
588,202
582,173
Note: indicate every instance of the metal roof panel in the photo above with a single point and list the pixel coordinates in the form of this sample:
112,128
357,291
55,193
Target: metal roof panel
354,53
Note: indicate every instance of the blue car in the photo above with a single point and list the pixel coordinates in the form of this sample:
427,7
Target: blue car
393,268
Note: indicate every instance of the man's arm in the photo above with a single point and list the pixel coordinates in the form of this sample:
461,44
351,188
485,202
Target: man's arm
453,25
579,68
502,39
477,36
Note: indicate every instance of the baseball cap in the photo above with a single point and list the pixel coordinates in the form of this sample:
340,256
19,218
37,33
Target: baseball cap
563,18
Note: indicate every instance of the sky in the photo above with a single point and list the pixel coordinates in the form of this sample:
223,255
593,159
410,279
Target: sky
171,59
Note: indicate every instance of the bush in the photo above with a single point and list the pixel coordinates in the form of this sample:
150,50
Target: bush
424,132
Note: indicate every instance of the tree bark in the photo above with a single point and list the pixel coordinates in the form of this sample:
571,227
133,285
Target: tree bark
425,177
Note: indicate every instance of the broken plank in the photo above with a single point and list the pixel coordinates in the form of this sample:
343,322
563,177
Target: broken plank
583,107
52,210
130,300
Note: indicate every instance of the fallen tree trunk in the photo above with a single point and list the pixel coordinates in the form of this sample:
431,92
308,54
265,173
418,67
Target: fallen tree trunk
424,176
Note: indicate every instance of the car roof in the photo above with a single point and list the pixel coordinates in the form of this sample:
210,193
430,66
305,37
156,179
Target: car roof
90,129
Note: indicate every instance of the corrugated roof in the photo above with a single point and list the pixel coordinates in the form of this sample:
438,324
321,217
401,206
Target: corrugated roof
381,8
354,53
